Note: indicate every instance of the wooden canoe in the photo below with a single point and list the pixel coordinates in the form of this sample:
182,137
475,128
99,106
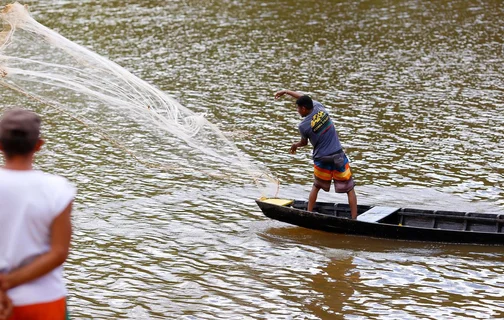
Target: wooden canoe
390,222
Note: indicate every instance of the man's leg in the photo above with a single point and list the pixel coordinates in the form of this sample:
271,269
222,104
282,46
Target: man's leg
313,197
352,202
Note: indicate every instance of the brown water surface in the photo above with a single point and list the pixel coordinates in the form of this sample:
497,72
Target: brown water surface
416,89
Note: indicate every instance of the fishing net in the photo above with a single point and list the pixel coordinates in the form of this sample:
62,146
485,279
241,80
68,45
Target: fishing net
129,112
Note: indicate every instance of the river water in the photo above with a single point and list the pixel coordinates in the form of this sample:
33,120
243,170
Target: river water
416,89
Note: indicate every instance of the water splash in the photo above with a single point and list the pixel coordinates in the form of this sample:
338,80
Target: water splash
43,65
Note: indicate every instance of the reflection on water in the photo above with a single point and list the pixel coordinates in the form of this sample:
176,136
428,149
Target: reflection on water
331,284
367,278
416,90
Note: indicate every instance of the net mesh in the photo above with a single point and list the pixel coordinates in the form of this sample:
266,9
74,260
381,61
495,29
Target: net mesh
43,65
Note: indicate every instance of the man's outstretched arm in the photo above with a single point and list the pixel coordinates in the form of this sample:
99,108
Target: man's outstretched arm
294,94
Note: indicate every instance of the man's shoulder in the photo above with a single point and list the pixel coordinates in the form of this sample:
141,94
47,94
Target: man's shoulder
317,104
56,180
40,177
305,126
47,176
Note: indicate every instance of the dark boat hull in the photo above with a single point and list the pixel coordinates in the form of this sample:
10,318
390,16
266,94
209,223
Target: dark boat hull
392,228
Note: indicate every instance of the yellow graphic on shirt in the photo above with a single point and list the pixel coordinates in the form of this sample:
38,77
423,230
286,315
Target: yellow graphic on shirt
320,121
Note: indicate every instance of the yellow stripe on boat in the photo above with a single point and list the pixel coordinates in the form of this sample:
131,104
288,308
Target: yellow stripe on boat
277,201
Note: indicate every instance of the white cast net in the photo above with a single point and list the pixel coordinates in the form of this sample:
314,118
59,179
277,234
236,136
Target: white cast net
43,65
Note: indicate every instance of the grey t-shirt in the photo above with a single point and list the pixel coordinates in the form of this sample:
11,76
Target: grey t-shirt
319,129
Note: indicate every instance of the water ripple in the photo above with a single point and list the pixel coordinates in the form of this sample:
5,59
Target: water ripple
416,91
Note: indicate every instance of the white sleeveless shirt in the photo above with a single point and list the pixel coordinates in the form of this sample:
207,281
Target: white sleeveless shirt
29,202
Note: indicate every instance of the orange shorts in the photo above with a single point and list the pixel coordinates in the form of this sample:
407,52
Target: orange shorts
55,310
334,168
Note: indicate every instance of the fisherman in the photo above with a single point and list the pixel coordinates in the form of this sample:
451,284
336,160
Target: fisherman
330,161
35,226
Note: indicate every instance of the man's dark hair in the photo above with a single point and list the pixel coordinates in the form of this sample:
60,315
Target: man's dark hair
305,101
18,144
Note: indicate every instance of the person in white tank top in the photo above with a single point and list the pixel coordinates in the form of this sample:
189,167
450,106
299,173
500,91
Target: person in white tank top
35,225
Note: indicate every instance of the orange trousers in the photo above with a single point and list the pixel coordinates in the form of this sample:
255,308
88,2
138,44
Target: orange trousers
55,310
